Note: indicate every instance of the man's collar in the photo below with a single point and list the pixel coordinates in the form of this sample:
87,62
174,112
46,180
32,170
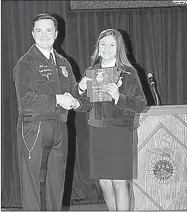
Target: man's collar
44,52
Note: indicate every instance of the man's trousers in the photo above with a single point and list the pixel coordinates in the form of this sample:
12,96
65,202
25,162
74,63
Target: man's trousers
42,160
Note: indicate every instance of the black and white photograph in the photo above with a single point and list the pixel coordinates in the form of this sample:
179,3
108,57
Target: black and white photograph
93,105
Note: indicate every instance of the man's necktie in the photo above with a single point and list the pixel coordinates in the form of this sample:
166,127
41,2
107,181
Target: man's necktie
51,59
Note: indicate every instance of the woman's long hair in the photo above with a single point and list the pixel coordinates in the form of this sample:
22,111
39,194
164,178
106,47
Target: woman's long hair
121,56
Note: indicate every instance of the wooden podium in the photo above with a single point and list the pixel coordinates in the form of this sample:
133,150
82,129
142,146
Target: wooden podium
161,157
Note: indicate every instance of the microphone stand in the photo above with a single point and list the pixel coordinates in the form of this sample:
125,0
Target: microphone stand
156,94
153,85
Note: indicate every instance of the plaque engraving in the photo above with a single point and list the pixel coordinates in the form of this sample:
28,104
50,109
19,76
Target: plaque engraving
100,78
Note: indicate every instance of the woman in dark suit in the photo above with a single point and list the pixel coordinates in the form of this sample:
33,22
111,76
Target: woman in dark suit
111,122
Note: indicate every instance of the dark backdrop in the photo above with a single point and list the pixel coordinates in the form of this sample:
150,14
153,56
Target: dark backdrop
156,39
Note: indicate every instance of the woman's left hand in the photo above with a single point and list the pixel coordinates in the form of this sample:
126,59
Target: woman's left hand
113,90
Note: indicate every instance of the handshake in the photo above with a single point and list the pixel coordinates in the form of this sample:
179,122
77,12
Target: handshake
67,101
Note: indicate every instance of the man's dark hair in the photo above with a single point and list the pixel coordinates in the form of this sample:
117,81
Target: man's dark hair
43,16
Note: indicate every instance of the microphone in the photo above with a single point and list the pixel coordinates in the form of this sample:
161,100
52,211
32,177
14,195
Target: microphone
151,79
153,84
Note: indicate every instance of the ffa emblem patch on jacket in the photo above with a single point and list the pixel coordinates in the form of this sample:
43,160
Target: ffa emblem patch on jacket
64,71
119,83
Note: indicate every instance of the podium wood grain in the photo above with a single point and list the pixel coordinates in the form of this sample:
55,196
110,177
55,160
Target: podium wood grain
161,182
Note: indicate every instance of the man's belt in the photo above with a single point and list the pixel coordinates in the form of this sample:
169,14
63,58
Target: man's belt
46,116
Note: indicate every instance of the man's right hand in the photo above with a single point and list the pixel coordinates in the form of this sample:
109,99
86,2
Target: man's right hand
65,101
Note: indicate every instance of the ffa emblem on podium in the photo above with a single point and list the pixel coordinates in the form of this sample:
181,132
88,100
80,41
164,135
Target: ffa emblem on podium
163,168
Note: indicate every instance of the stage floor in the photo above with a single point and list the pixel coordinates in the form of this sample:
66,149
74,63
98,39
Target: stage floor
94,207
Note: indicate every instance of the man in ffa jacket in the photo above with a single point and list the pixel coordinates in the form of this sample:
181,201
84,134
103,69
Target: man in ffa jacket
44,82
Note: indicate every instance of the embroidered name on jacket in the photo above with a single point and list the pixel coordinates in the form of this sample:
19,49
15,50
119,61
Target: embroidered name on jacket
45,71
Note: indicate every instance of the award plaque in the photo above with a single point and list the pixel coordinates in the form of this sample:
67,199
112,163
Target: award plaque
100,78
